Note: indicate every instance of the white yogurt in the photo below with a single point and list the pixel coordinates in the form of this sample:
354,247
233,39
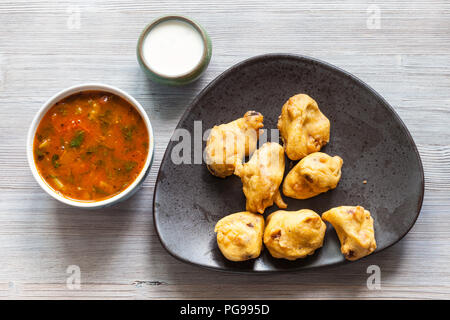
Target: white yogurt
173,48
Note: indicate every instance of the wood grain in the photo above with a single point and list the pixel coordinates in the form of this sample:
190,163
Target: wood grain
407,60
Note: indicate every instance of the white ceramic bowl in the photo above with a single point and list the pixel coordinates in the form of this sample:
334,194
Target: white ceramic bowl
132,188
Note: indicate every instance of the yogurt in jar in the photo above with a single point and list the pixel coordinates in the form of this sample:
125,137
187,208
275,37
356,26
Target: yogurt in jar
173,48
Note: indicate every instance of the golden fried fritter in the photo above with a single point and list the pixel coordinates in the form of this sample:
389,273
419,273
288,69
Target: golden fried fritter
303,128
314,174
239,235
261,177
354,227
293,234
228,143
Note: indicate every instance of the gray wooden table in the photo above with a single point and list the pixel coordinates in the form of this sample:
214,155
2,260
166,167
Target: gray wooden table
400,48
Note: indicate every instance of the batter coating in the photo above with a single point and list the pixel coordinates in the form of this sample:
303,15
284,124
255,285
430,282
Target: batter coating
354,227
261,177
293,234
303,128
314,174
228,143
239,235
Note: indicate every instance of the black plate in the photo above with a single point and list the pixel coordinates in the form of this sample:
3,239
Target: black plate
365,132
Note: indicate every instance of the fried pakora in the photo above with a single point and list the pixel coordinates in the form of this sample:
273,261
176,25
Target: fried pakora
293,234
228,143
239,235
303,128
314,174
261,177
354,227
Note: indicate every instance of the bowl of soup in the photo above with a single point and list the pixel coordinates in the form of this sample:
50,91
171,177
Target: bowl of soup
90,146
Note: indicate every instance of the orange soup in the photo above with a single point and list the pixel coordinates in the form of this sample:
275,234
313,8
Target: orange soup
91,145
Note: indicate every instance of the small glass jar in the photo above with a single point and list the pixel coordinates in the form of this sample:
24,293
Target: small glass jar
172,27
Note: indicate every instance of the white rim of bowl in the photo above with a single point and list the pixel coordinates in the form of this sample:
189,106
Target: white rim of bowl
58,97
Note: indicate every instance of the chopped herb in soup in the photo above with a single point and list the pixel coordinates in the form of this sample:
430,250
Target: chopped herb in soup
90,146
